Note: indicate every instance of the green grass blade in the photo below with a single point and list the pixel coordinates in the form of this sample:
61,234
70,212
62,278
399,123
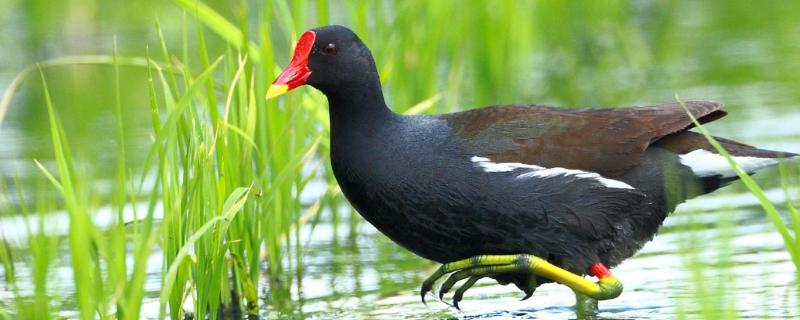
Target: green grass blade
233,205
19,79
772,212
180,108
81,231
219,25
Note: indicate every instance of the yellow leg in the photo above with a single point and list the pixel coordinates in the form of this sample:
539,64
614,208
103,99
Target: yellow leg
607,287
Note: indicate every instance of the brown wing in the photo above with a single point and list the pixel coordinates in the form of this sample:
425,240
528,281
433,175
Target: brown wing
607,141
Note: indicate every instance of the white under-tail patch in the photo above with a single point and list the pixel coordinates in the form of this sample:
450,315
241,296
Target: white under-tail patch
542,172
705,163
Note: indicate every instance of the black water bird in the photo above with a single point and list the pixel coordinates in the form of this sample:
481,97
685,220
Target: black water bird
523,194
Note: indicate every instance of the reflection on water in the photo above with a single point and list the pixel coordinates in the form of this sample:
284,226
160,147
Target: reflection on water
719,248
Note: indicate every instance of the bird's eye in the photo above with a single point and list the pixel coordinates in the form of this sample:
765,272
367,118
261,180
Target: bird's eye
329,50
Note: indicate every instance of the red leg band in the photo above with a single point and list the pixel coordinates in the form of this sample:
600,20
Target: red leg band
600,271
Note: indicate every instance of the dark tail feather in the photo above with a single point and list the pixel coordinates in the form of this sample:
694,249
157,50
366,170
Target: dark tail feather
715,182
688,141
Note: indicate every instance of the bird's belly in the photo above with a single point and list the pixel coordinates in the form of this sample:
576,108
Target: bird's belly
437,222
431,233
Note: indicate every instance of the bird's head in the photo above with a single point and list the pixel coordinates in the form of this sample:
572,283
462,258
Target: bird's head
327,58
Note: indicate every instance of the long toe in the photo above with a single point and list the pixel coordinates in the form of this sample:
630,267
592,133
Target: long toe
427,285
456,277
459,294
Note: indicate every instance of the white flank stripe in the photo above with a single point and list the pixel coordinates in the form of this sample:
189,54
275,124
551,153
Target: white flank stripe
706,164
542,172
490,166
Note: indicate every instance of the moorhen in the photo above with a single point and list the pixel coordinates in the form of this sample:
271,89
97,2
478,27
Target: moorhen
523,194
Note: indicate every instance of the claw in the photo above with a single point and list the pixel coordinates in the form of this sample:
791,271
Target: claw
453,279
427,285
530,288
459,294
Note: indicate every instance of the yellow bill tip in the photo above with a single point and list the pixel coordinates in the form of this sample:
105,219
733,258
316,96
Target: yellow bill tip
276,90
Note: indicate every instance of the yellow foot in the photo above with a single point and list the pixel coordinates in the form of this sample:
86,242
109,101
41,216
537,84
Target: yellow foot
474,268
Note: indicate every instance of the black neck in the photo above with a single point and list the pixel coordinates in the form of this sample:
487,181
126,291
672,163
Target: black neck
360,108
